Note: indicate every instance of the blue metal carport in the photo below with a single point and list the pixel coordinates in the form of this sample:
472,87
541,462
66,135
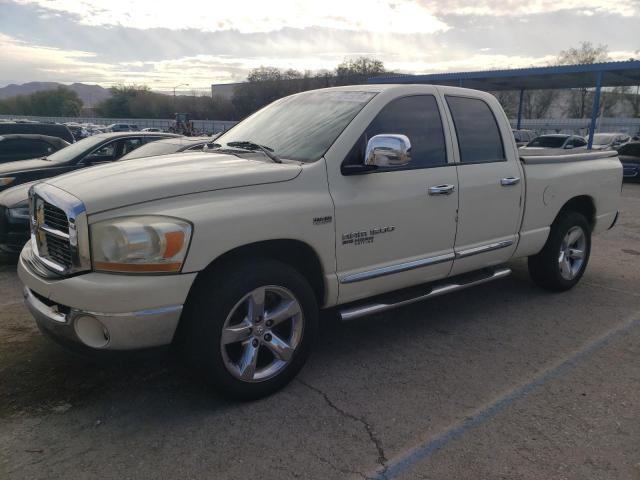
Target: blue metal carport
596,75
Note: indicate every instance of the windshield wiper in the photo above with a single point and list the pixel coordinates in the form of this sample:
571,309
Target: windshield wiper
249,145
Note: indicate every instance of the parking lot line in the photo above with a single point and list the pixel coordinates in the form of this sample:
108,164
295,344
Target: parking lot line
404,461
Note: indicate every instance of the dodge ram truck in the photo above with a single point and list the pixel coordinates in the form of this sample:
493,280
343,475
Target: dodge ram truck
357,199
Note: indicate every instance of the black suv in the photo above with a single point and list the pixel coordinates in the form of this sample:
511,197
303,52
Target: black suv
20,147
629,155
35,128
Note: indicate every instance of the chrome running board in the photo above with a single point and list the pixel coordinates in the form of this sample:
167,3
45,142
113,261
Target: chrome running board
401,298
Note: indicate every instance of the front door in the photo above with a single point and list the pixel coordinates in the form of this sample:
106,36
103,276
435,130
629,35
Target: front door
392,231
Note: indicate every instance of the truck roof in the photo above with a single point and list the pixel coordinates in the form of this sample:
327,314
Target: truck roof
401,86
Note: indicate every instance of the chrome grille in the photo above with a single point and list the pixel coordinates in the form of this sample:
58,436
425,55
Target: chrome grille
58,250
58,231
56,218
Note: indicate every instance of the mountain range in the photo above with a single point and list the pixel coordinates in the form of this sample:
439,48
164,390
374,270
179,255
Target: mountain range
90,94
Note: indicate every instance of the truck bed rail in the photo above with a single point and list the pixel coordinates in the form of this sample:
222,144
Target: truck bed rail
571,157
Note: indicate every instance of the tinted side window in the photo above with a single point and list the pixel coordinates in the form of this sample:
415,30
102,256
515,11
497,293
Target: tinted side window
130,144
105,152
18,147
26,147
579,142
479,138
419,119
631,149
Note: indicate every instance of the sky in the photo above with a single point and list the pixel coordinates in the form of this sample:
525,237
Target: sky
164,43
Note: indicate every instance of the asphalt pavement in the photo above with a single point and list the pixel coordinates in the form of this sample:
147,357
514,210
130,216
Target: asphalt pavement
504,381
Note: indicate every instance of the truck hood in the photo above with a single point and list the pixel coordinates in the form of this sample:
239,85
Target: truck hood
142,180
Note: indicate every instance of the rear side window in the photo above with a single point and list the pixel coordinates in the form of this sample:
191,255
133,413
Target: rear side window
479,138
130,144
25,147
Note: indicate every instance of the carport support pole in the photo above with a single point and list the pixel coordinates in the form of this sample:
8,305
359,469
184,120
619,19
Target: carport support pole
520,109
594,110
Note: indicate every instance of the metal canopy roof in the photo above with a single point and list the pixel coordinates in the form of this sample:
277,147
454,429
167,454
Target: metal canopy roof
614,74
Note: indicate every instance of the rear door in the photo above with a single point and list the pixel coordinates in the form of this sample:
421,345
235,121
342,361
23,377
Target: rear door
490,183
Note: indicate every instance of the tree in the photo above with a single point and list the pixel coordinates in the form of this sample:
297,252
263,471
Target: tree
266,84
586,53
128,101
536,103
358,70
61,102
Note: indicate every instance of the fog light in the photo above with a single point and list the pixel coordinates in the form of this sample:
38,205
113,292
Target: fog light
91,332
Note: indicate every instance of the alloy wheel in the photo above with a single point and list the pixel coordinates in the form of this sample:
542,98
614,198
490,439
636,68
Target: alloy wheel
261,333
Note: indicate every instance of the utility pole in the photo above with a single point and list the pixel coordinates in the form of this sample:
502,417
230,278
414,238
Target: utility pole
174,93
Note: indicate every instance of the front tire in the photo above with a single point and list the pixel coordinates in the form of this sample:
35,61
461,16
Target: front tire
251,326
563,260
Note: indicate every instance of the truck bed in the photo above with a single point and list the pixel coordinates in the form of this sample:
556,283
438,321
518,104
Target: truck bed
552,180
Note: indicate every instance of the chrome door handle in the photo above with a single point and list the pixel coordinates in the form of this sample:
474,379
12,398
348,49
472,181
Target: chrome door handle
505,182
442,189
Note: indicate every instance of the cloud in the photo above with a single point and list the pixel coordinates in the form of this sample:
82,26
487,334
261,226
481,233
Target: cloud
516,8
41,63
250,16
95,43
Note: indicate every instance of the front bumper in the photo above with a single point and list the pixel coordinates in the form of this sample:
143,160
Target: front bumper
104,311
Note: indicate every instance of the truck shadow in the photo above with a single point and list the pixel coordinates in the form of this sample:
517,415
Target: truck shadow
40,378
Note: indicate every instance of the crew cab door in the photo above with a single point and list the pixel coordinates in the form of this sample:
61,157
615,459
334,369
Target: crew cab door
390,231
490,182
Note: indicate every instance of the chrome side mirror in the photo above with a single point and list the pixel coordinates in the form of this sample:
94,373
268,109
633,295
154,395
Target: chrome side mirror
388,150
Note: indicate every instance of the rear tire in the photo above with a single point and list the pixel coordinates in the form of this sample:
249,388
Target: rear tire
563,260
250,327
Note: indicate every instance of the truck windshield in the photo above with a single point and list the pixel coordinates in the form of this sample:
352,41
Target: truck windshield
300,127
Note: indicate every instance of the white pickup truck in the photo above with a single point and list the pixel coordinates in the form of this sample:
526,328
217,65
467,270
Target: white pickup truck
359,198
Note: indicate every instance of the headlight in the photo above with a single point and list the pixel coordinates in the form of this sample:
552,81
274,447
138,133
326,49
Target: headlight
20,210
6,181
146,244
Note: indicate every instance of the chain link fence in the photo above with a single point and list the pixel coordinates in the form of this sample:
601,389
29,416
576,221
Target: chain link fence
579,126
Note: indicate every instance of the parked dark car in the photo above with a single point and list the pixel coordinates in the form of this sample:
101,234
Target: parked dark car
95,150
523,136
168,146
555,141
20,147
120,127
36,128
78,131
629,155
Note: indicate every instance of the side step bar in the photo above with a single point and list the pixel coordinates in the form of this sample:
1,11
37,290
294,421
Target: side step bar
454,284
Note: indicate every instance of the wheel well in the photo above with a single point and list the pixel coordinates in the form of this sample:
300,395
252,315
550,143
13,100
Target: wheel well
293,252
582,204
